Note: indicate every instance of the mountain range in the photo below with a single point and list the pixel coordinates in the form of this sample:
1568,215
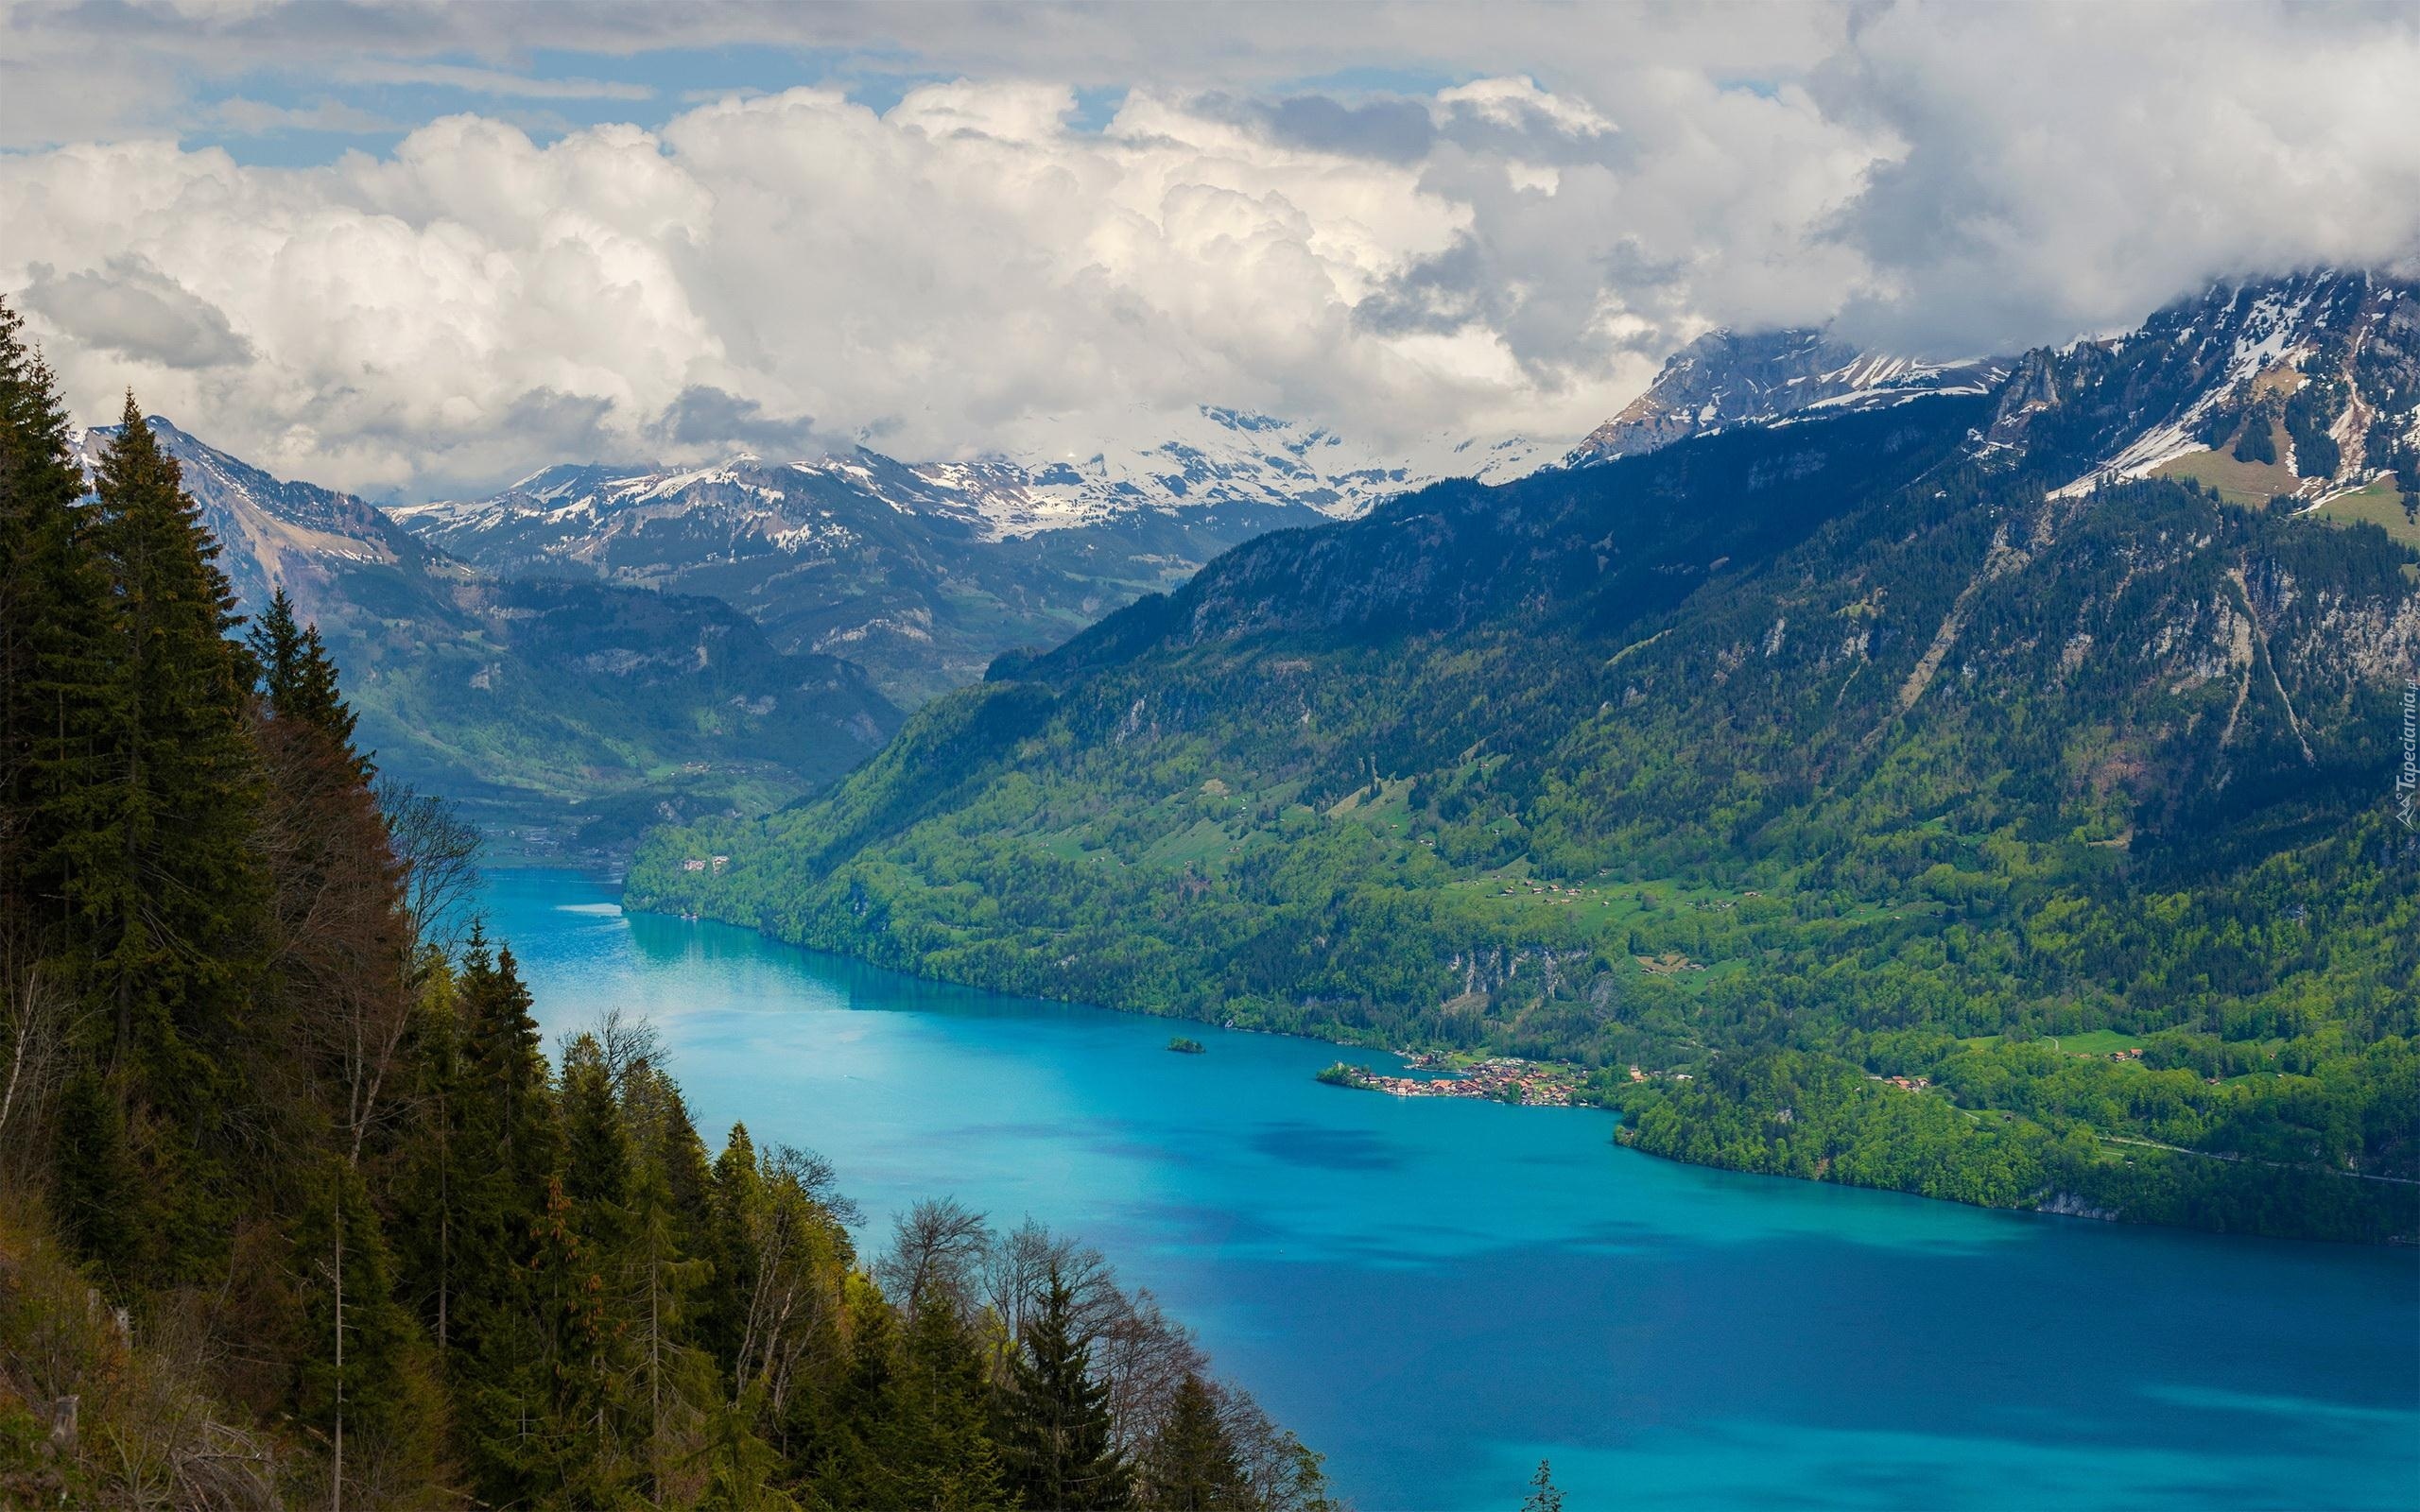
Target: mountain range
561,705
924,571
774,617
1810,780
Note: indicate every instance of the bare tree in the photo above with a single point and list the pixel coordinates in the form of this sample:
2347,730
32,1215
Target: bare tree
627,1042
36,1015
800,1251
935,1246
439,852
1281,1474
1142,1353
815,1178
1145,1356
434,859
341,947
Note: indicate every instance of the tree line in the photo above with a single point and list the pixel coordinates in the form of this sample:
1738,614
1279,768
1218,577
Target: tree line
295,1206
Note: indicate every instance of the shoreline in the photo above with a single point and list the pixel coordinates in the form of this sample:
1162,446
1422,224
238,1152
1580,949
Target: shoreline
2046,1203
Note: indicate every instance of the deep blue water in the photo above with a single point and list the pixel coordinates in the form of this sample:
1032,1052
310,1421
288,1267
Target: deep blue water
1437,1294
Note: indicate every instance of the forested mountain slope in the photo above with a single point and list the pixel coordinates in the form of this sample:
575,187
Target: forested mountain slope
584,707
297,1210
1774,764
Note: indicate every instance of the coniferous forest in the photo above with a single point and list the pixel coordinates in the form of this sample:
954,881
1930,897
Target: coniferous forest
297,1209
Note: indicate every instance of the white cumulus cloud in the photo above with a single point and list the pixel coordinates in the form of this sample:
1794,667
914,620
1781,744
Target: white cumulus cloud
977,267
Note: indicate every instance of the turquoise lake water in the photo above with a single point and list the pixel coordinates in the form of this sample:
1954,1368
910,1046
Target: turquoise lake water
1437,1294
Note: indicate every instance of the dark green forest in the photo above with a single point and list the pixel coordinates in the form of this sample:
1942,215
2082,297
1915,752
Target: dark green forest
1849,800
297,1209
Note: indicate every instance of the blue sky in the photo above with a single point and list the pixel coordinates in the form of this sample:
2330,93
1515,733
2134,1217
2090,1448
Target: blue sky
550,93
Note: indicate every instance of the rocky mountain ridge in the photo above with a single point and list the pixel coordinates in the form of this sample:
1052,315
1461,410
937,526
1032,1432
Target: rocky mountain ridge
1727,378
2301,387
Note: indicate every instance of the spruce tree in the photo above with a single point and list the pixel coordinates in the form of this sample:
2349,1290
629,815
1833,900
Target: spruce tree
299,678
943,1403
52,603
505,1334
675,1383
437,1169
1191,1465
667,1140
1055,1442
352,1386
1544,1496
856,1452
577,1461
97,1190
599,1182
730,1247
598,1163
164,869
164,888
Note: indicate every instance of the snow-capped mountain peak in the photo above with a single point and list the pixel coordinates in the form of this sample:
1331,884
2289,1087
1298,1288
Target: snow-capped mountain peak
1213,456
1727,378
2303,385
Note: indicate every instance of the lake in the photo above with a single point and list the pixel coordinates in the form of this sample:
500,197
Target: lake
1437,1294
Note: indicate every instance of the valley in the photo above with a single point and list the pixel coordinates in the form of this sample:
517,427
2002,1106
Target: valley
1076,758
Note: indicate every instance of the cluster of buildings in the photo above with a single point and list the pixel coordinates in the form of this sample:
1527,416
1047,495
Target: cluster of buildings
714,864
1502,1080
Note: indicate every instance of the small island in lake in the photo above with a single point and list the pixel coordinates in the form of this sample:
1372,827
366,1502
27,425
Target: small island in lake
1187,1047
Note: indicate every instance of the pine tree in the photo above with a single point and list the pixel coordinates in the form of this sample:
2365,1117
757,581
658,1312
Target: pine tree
1544,1496
1055,1440
299,680
164,888
353,1380
52,595
1190,1464
948,1460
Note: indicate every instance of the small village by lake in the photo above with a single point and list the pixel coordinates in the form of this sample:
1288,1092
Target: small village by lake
1496,1079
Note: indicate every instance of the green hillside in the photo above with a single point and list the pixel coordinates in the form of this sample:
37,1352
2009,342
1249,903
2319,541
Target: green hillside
1775,765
